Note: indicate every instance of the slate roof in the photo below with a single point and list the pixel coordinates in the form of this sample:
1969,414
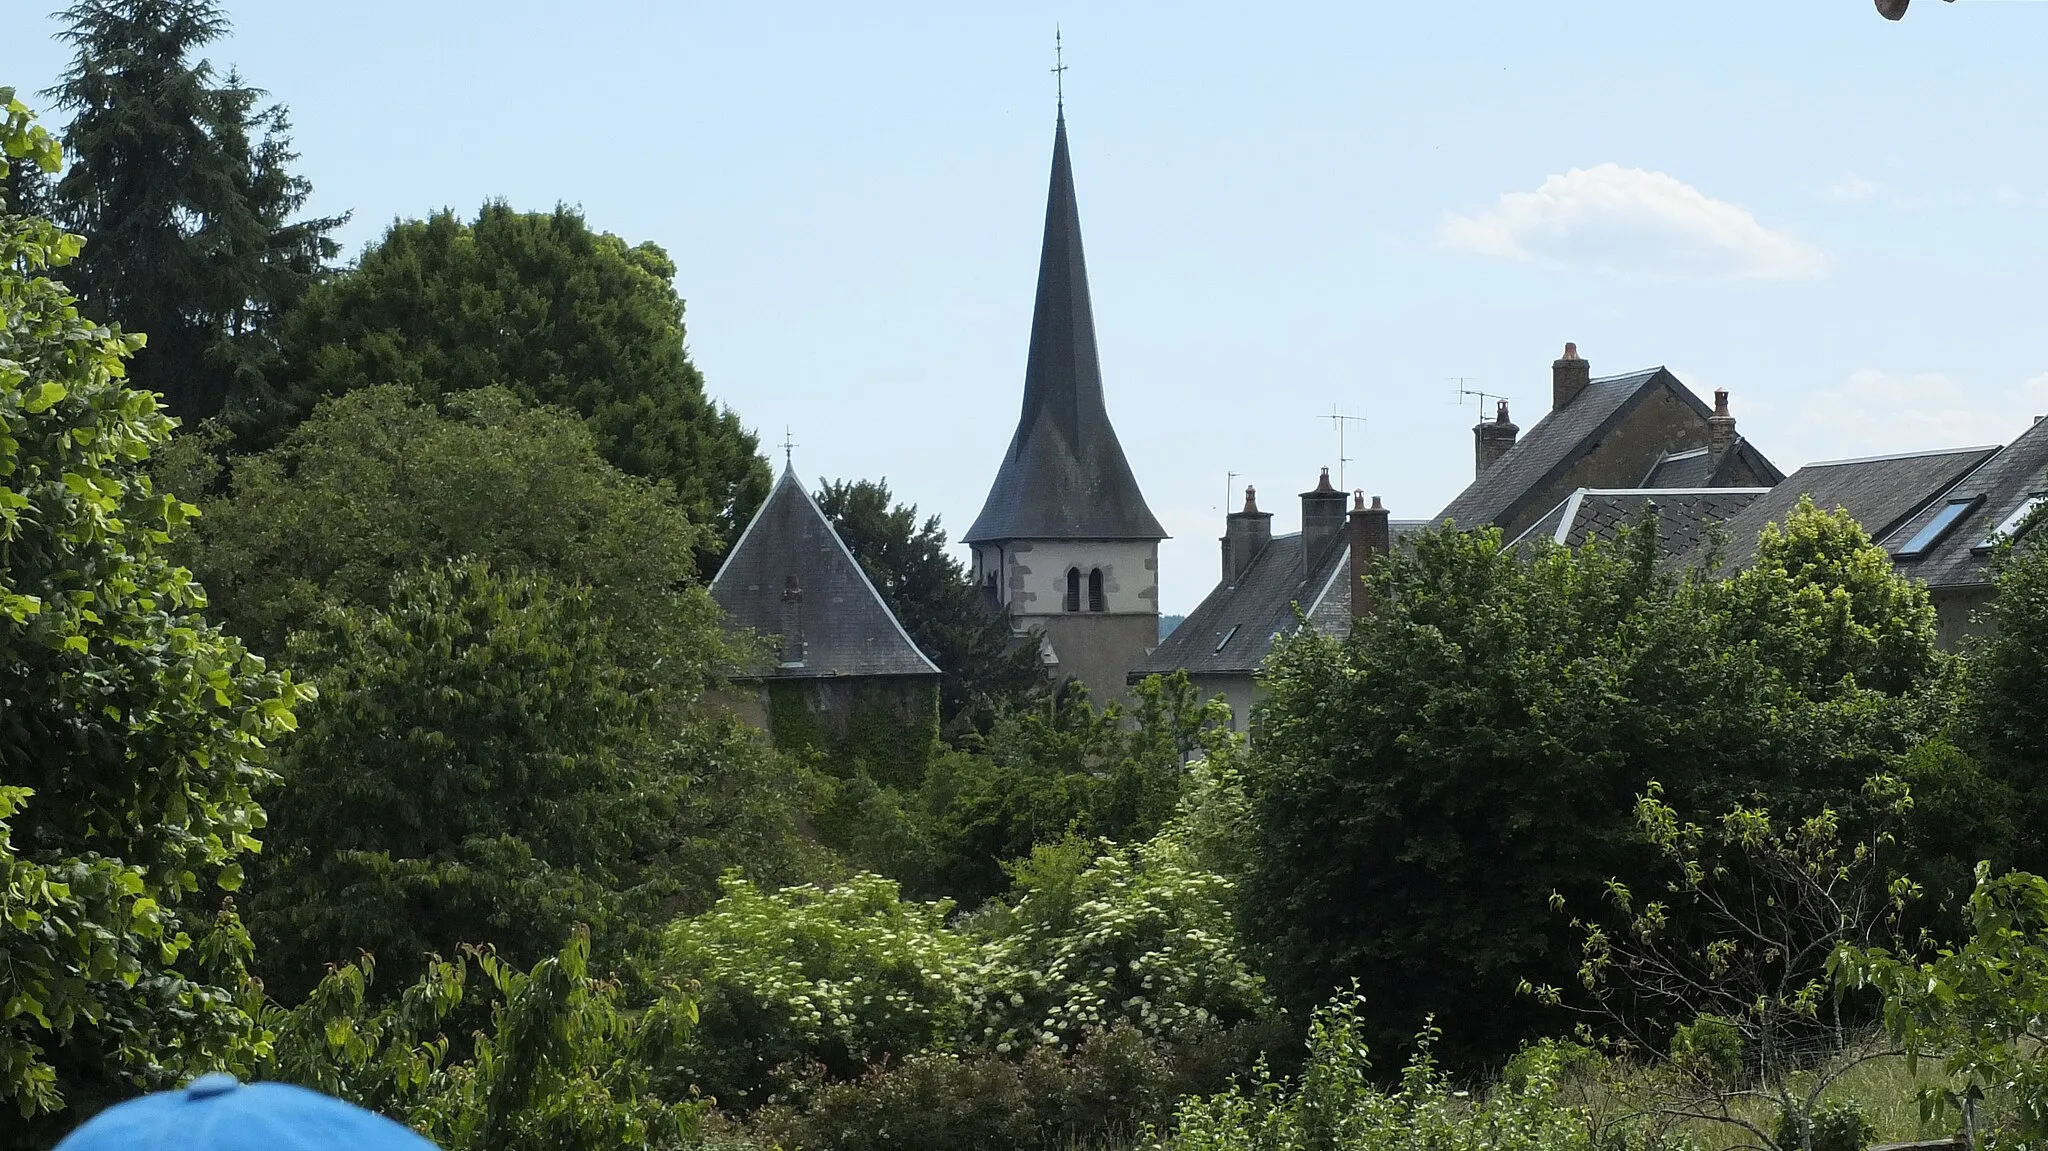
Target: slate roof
846,628
1686,517
1565,435
1231,631
2000,483
1546,450
1064,475
1693,469
1881,492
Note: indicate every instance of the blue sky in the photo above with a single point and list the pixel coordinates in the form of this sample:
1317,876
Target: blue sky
1837,218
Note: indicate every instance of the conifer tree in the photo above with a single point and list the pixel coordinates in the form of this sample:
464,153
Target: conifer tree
181,180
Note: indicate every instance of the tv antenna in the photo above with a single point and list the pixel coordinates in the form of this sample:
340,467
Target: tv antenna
1338,420
1229,489
1467,392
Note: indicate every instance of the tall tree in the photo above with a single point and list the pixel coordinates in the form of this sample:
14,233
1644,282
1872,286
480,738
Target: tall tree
132,732
984,668
378,483
1421,790
2005,718
539,303
181,178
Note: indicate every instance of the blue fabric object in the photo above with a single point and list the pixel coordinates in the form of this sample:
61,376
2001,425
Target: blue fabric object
216,1113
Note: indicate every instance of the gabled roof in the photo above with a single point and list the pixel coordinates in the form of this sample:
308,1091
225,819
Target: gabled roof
1880,491
1997,487
1231,631
1558,440
1565,435
1064,475
1686,517
844,627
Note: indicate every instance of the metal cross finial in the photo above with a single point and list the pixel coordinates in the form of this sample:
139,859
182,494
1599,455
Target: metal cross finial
1059,68
788,445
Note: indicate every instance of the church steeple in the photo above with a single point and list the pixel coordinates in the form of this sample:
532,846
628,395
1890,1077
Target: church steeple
1064,475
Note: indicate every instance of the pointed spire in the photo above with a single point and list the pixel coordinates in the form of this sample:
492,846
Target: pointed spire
1064,475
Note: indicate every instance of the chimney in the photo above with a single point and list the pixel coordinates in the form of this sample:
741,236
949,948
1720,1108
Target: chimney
1568,377
1371,536
1720,427
1245,535
1322,522
792,622
1491,441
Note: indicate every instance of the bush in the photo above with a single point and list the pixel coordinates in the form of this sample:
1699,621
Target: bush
833,976
1104,1092
1835,1127
1335,1104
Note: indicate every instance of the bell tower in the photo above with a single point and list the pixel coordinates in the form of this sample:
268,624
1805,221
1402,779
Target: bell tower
1065,544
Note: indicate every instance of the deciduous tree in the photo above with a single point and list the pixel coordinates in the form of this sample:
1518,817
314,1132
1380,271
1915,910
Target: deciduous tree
985,669
133,733
560,314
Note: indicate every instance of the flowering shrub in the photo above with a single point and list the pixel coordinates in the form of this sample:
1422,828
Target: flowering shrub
841,975
1140,936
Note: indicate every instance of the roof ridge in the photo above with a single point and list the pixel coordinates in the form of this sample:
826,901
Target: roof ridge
1902,456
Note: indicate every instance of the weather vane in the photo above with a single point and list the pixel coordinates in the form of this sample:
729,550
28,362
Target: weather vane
788,446
1059,67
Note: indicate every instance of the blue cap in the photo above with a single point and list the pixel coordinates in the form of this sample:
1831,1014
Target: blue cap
216,1113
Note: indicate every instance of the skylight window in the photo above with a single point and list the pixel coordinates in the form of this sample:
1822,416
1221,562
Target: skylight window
2013,521
1228,636
1937,527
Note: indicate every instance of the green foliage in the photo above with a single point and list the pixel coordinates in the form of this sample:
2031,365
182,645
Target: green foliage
182,183
1103,1093
132,732
377,484
841,975
2005,714
1336,1107
1980,1006
538,303
1835,1127
475,771
1419,791
888,731
1036,778
565,1064
1138,935
985,670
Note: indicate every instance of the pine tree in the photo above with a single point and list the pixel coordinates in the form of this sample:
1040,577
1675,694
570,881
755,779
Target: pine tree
180,179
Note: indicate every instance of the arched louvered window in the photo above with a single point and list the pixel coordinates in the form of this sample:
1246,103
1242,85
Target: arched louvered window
1097,601
1073,589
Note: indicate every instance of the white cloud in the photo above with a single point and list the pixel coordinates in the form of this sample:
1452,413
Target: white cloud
1632,221
1878,413
1850,187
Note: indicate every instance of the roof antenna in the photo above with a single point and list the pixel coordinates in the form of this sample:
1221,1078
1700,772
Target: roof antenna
1059,69
1465,393
1338,420
788,445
